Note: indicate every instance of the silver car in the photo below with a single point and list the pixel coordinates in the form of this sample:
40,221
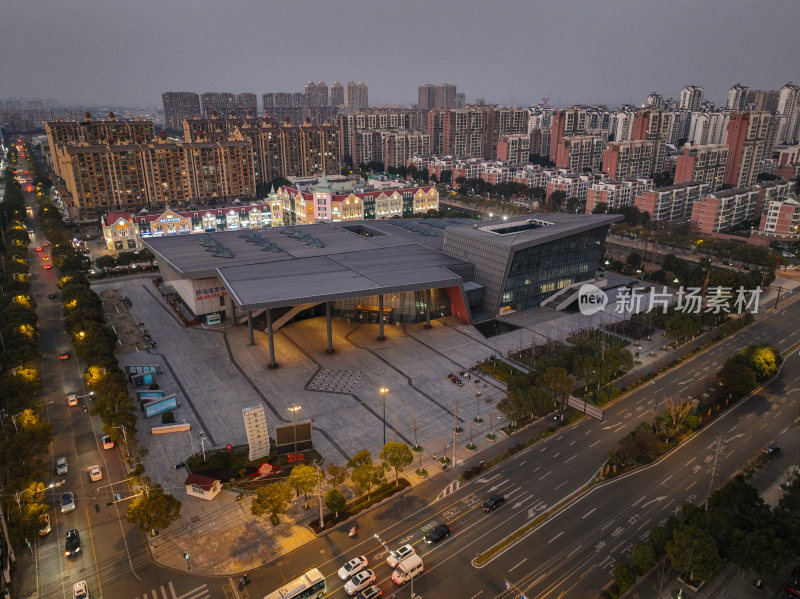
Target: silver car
67,502
61,466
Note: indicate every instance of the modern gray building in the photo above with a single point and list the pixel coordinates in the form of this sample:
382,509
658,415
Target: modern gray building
385,271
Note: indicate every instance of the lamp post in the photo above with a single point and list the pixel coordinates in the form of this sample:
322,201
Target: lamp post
124,437
383,391
294,410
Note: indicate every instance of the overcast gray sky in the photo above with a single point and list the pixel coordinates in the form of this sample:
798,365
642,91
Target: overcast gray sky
507,51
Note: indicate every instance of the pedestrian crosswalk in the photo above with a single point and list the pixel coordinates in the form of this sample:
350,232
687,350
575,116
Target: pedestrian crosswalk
168,592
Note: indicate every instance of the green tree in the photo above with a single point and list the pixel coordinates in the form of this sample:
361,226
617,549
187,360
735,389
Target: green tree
634,260
272,499
336,474
105,262
362,457
623,576
558,383
397,455
600,208
643,557
335,501
693,552
368,476
556,199
739,380
303,478
153,509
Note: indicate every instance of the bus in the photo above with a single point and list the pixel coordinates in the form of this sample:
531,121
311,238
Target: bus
311,584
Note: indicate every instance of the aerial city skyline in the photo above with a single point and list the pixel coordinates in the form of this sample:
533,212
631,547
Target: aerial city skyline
477,300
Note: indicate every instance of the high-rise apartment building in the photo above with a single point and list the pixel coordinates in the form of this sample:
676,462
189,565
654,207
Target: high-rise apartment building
337,94
737,97
279,150
276,100
514,148
356,96
655,126
691,98
621,126
317,93
566,122
632,158
179,106
654,100
432,96
702,164
580,153
61,134
708,127
763,99
748,137
474,131
246,105
789,110
112,176
219,104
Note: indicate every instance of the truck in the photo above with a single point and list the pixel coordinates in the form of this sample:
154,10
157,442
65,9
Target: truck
407,569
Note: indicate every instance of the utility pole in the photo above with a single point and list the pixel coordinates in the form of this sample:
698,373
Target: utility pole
719,447
455,426
319,492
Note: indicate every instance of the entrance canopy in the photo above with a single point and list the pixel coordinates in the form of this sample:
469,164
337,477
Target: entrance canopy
338,276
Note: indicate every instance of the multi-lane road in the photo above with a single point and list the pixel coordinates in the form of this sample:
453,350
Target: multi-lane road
573,553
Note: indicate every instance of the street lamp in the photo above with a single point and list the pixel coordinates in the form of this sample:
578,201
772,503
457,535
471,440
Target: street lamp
124,436
294,410
383,391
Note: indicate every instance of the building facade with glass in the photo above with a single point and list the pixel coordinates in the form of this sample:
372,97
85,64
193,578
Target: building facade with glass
521,262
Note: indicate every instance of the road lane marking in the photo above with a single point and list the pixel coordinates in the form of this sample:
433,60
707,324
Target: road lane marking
574,551
518,565
555,537
476,594
690,486
94,552
690,461
664,482
544,475
561,485
588,513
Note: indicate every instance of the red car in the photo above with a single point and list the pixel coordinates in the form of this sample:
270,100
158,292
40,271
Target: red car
63,355
39,249
45,244
47,266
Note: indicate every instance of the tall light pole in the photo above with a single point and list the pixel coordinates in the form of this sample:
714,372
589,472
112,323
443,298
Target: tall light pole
124,437
383,391
294,410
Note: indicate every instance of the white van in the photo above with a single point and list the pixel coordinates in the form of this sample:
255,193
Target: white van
407,569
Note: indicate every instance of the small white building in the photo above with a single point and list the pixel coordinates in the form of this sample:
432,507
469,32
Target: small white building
202,486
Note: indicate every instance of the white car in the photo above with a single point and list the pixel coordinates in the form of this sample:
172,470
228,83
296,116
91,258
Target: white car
399,554
354,566
67,502
72,399
359,582
45,529
61,466
80,590
95,473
